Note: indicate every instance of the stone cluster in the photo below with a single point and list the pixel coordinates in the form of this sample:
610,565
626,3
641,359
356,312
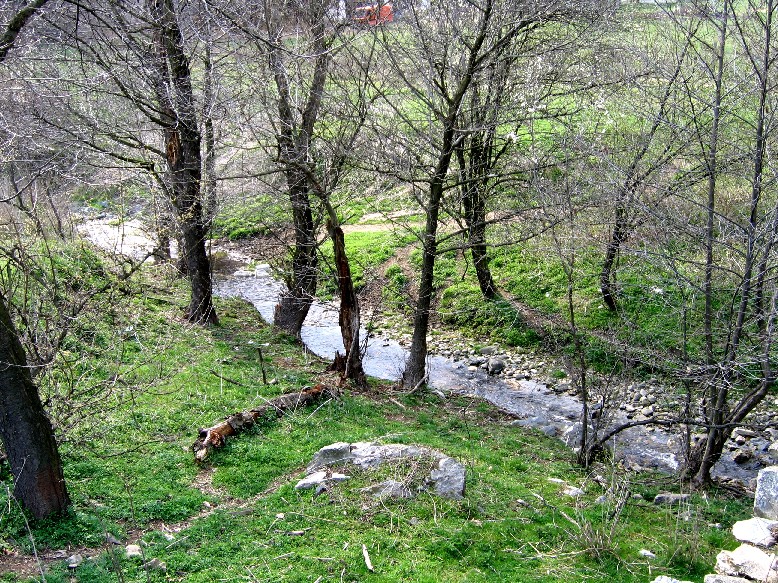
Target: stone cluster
446,477
755,559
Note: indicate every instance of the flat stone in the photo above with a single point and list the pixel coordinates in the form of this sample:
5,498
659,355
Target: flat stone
330,454
766,496
318,478
573,492
756,531
749,562
670,499
742,431
666,579
715,578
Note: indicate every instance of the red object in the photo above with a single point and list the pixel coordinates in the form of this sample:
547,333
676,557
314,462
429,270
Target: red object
373,15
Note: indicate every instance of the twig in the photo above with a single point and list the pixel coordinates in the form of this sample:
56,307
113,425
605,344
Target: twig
368,563
262,365
229,380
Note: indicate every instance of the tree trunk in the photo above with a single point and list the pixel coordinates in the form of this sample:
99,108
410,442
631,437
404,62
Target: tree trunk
475,218
182,146
415,373
293,306
348,318
607,282
216,436
27,434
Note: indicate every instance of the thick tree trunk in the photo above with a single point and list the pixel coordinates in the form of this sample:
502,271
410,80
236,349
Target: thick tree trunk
27,434
293,306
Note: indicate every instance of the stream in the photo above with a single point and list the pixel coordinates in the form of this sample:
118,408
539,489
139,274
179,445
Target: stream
531,402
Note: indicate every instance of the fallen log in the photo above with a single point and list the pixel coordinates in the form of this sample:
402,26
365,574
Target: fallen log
216,436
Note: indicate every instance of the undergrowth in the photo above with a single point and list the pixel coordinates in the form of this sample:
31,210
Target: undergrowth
131,473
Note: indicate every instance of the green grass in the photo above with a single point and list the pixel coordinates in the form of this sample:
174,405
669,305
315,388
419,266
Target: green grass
366,251
130,472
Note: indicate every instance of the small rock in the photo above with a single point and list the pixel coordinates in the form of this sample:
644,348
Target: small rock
743,432
74,561
495,366
666,579
112,540
155,565
647,554
488,350
670,499
773,450
573,492
133,551
725,579
414,521
318,478
335,453
449,478
741,456
602,499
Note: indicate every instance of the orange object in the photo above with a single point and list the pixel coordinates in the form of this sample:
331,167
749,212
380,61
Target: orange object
373,15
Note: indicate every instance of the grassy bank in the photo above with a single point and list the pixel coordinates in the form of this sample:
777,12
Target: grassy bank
238,518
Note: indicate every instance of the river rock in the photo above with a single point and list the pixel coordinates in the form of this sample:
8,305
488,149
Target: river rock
489,350
572,435
749,562
743,432
495,366
756,531
766,497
